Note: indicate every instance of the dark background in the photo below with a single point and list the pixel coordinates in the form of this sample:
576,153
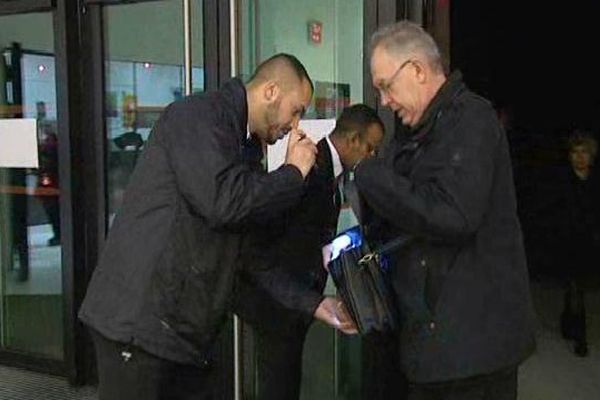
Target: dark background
540,61
541,58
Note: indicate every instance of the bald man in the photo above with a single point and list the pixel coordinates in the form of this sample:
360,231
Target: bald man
162,288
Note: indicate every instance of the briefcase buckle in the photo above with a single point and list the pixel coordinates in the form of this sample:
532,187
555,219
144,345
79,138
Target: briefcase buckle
367,258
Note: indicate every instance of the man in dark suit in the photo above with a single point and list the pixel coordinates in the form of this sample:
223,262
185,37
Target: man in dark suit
280,300
163,285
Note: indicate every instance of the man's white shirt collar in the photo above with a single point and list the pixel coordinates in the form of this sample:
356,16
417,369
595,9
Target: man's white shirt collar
338,169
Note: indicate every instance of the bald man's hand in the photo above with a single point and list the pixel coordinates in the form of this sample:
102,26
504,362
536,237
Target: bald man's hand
301,151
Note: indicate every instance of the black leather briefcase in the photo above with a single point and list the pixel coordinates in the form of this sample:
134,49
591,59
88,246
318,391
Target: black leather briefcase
362,282
360,273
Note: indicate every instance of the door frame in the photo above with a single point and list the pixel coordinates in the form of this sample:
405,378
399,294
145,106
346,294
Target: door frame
67,79
94,199
78,48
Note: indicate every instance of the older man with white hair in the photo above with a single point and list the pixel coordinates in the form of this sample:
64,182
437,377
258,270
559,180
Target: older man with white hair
446,182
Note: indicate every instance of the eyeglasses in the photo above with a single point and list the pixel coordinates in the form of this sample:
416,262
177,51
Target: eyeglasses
386,85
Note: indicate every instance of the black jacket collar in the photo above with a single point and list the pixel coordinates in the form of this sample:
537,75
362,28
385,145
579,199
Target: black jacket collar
234,93
449,90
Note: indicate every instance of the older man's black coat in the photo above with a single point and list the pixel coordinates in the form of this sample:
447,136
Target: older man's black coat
461,284
165,277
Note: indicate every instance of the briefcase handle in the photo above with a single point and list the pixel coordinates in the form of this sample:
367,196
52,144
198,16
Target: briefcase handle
393,244
384,249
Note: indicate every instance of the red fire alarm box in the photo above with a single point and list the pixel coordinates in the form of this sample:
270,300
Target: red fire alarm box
315,32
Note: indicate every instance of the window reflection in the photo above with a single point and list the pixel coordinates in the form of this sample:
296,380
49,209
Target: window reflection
143,76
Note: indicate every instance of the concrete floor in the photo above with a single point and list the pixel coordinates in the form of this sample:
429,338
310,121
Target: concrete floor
554,372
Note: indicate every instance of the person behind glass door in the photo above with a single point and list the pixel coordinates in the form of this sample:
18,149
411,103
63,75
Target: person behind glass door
280,298
48,172
461,285
579,230
163,286
123,160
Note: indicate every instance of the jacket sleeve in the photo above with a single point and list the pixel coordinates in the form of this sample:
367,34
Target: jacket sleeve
286,264
450,198
205,157
278,285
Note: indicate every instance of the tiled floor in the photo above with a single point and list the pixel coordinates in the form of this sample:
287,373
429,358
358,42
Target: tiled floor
16,384
552,373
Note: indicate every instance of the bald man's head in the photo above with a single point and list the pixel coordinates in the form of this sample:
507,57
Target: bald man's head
282,68
278,95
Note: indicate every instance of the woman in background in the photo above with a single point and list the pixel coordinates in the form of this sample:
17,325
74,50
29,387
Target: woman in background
580,220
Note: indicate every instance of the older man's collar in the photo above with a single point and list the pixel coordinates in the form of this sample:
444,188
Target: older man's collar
450,89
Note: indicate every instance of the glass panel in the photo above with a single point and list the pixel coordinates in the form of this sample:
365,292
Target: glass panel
197,46
327,38
325,35
30,251
144,73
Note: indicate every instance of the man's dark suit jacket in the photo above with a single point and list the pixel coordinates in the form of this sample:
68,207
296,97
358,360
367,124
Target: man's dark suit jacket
165,278
284,278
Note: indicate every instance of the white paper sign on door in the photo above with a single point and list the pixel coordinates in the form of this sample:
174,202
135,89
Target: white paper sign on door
18,143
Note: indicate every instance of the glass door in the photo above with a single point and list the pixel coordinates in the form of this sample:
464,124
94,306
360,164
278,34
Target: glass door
31,288
143,56
327,37
142,75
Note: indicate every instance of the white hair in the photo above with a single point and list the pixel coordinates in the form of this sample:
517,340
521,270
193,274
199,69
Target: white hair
408,38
